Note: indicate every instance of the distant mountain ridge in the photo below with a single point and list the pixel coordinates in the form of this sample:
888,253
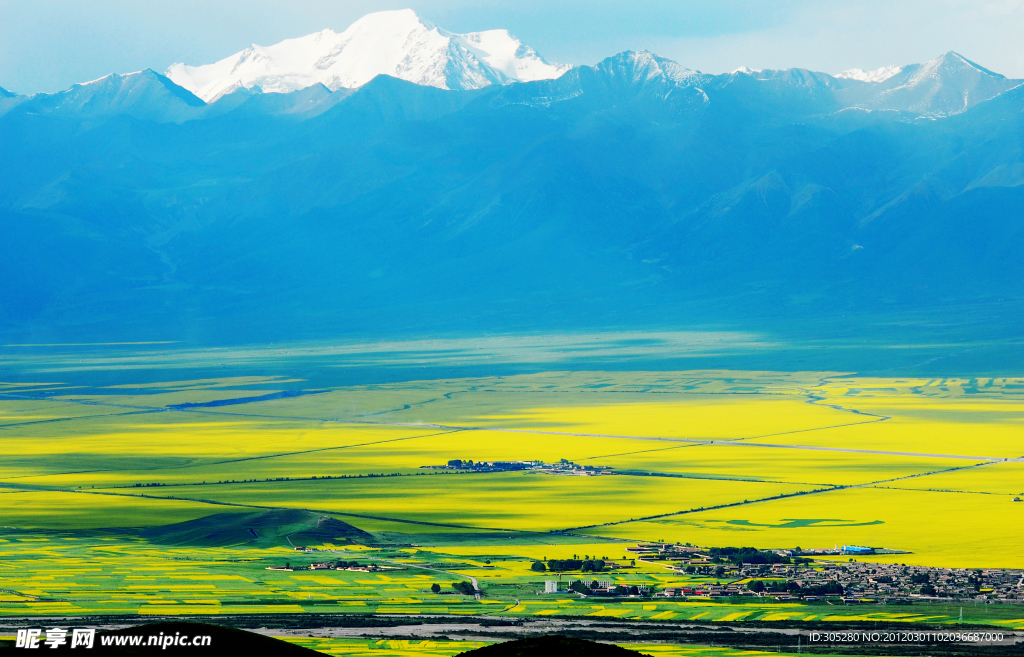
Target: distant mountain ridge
947,85
405,46
635,192
143,94
395,43
944,86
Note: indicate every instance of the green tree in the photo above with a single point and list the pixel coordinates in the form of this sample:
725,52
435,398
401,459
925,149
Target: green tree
465,588
579,586
538,566
435,588
563,565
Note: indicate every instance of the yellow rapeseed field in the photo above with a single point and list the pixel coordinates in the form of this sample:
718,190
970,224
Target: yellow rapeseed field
58,510
517,501
702,417
996,479
939,529
710,458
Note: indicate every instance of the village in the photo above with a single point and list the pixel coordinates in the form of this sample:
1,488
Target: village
333,565
785,575
562,467
790,575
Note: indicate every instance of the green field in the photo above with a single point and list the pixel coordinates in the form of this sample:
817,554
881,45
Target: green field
170,495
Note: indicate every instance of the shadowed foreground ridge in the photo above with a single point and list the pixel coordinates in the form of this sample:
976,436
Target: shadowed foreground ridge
224,642
561,646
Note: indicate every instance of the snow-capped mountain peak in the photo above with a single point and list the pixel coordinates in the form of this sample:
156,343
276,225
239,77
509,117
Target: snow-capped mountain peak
397,43
877,75
951,65
644,66
948,84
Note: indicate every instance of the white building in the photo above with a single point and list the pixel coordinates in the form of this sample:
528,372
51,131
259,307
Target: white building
550,586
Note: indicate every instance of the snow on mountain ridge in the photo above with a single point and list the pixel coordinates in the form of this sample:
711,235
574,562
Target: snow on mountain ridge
643,65
877,75
143,94
946,85
950,63
396,43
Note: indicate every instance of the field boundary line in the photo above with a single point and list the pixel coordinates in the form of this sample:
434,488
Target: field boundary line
199,500
248,458
706,508
870,484
993,459
70,419
679,475
311,451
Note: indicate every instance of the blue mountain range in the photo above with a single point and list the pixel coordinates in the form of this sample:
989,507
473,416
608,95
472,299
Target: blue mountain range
634,193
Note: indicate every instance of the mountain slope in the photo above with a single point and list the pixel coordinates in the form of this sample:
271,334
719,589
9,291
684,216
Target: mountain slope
9,101
395,43
946,85
631,193
143,95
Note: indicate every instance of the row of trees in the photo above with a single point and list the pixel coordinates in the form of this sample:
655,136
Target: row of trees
791,587
718,571
565,565
465,588
342,565
742,555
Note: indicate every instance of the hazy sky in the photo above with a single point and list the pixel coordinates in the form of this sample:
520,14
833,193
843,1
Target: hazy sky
46,45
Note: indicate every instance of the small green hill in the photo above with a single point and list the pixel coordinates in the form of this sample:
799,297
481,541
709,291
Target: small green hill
551,645
261,528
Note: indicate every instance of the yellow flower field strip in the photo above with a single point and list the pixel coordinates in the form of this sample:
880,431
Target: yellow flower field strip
543,502
921,522
996,479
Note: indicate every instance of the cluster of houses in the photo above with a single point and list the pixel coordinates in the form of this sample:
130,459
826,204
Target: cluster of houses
337,565
665,552
602,588
794,576
874,582
701,591
563,466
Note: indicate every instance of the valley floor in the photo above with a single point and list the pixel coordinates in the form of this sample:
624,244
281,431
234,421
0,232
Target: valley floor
168,495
